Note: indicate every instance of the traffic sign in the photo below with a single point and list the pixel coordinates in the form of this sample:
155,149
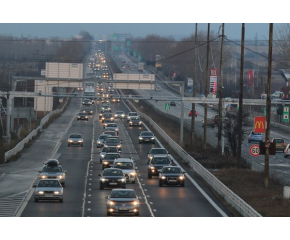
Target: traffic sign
167,106
285,114
255,150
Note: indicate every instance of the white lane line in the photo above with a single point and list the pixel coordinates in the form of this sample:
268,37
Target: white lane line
21,171
2,175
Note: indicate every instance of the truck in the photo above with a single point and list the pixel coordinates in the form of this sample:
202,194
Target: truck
141,67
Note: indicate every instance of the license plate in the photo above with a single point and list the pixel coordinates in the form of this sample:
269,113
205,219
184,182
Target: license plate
159,170
48,196
123,209
172,180
146,140
113,183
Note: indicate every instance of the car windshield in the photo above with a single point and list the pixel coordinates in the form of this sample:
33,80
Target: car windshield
112,156
113,172
112,140
160,161
52,169
123,194
113,125
119,112
81,114
278,140
171,170
133,114
135,118
253,133
75,136
109,149
107,115
158,151
48,183
124,165
148,134
112,133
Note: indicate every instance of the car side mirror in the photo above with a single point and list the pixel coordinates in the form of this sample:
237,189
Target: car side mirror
183,172
99,175
120,141
64,171
136,168
39,171
107,197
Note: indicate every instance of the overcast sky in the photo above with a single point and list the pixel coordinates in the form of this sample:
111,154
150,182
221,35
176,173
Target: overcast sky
58,18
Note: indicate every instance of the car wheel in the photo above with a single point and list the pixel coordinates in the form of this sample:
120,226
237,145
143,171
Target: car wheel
68,145
35,200
81,145
249,141
134,181
285,156
140,142
101,187
182,184
87,120
153,142
103,167
124,187
61,200
109,213
160,183
149,175
63,184
136,213
77,120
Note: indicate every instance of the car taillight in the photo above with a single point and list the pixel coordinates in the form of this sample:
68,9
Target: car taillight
284,144
287,151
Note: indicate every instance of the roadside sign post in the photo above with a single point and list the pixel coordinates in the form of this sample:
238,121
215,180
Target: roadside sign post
255,150
167,106
285,114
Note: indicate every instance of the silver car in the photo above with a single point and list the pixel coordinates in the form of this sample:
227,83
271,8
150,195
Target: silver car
128,167
157,152
48,189
132,114
120,114
106,150
112,126
53,172
100,140
122,201
75,139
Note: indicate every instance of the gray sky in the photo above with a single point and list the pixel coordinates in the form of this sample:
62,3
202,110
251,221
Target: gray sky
139,18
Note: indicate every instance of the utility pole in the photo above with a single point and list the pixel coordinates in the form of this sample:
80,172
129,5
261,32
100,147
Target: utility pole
193,91
220,122
240,119
268,105
206,88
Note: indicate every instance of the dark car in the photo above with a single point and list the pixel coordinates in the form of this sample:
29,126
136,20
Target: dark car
255,137
82,116
112,177
146,136
87,102
106,150
216,119
101,139
113,141
172,103
107,116
88,110
109,159
172,175
135,121
104,111
209,122
156,164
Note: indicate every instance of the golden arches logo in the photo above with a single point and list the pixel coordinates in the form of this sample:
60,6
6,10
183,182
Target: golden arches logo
259,125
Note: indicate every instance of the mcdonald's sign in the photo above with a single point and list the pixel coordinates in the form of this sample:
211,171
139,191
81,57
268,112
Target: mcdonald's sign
260,124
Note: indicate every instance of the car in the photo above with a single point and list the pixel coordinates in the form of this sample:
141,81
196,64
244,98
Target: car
100,140
82,116
146,136
112,133
105,95
157,152
52,170
120,114
287,151
216,119
109,158
104,111
75,139
113,141
106,122
172,175
48,189
190,113
156,164
87,102
132,114
209,122
121,201
111,178
105,106
105,100
113,126
88,110
107,116
116,100
105,150
128,167
172,103
280,144
80,88
135,121
255,137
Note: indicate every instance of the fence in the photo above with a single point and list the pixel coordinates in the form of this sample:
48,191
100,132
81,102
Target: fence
18,148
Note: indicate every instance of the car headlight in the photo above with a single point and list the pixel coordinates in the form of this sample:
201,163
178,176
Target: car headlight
111,203
86,116
104,179
152,138
135,203
152,167
60,176
112,118
102,155
105,162
80,140
116,115
130,122
122,180
181,177
123,115
133,174
140,138
150,157
91,111
43,177
79,117
84,111
70,140
163,177
40,192
98,141
118,146
140,122
116,129
56,192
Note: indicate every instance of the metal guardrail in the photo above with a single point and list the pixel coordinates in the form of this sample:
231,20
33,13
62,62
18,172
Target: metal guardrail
18,148
239,204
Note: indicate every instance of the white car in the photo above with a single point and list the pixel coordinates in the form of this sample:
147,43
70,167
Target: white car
128,167
132,114
120,114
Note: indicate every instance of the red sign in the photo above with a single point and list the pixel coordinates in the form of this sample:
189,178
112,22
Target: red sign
213,72
255,150
251,78
260,124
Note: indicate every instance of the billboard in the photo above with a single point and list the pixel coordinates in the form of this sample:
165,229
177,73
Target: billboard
260,124
251,78
213,80
64,70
